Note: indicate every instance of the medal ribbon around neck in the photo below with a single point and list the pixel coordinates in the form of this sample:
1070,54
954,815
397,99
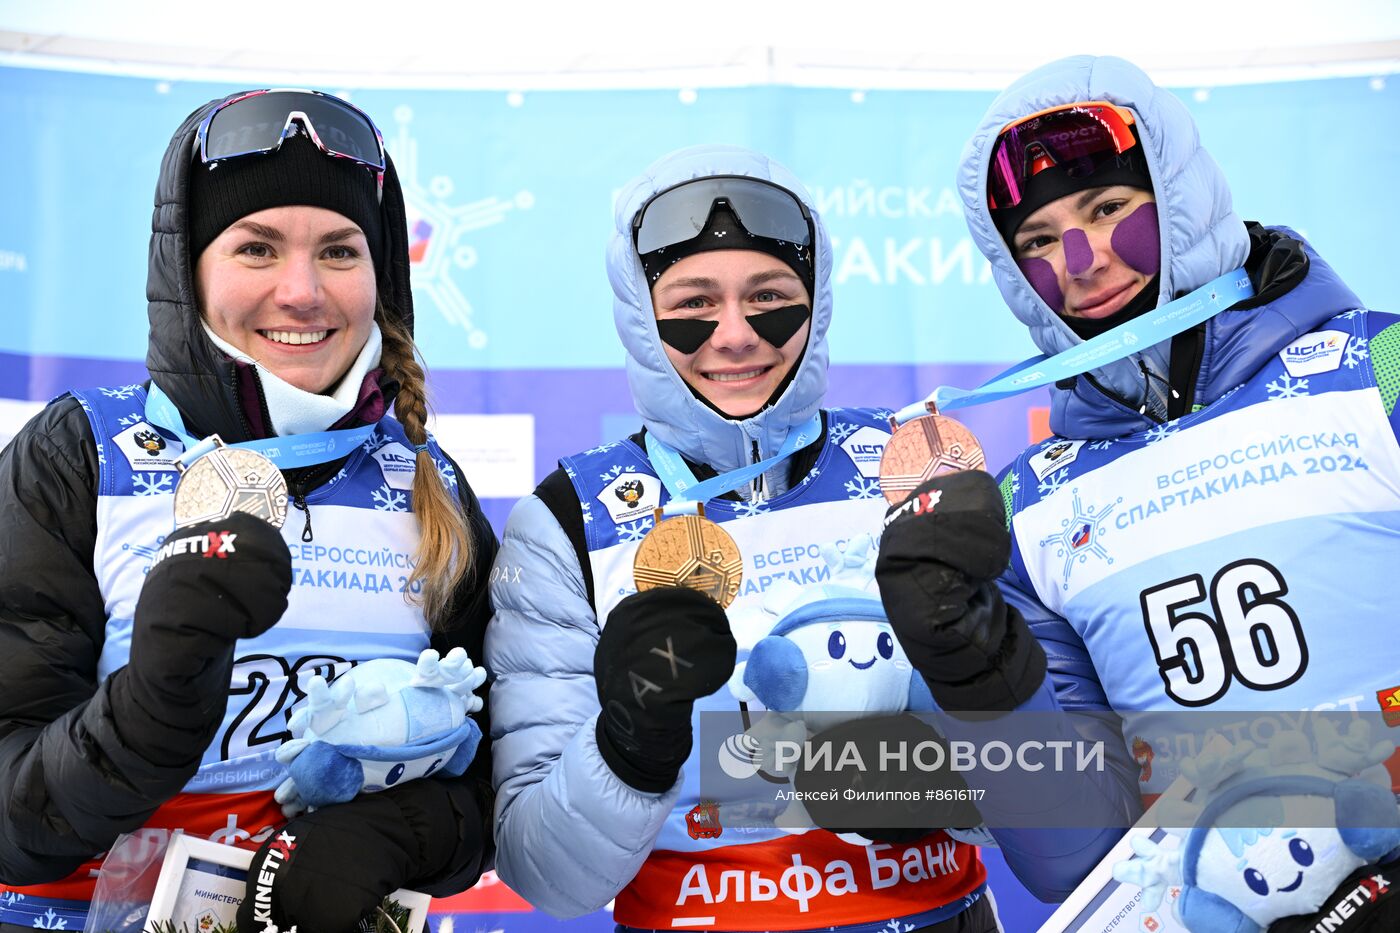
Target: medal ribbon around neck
1152,328
688,549
926,444
294,450
679,480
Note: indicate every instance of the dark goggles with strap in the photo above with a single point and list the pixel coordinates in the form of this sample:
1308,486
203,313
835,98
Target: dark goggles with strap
680,213
257,122
1076,137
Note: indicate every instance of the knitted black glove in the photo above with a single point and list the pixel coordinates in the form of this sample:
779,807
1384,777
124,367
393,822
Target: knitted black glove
940,555
211,584
327,870
660,651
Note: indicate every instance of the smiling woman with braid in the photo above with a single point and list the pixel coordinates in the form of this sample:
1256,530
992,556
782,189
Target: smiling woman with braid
153,691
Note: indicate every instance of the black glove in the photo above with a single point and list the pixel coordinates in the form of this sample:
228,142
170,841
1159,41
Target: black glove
659,652
212,584
940,554
327,870
892,802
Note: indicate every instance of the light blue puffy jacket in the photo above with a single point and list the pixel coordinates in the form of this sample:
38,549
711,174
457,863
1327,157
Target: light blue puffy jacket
569,834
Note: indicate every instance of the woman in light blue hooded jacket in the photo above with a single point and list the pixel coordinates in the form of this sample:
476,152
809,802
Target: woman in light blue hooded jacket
720,268
1213,523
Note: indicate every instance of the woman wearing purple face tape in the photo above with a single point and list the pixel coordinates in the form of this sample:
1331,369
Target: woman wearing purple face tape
1213,523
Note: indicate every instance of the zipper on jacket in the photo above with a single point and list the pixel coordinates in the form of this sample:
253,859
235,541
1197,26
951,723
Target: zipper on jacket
757,480
237,405
300,502
1187,356
1114,396
1147,377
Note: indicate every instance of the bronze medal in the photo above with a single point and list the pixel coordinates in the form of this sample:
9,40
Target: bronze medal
924,448
227,480
690,551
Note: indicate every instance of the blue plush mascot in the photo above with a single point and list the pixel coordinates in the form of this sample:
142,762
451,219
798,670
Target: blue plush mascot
1280,838
381,723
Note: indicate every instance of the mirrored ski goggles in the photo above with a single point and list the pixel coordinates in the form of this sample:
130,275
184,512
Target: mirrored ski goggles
257,122
680,213
1078,137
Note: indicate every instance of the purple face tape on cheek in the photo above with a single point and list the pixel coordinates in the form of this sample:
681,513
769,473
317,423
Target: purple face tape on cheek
1079,255
1041,275
1138,241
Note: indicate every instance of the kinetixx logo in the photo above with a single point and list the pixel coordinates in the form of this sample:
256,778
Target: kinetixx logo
278,854
922,504
211,544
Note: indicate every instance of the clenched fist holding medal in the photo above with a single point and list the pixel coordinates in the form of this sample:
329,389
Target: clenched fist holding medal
221,575
944,545
666,646
669,644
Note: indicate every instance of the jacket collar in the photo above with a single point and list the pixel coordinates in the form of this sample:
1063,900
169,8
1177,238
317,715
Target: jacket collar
1291,299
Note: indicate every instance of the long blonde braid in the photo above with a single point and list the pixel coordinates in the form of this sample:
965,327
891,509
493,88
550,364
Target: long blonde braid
445,546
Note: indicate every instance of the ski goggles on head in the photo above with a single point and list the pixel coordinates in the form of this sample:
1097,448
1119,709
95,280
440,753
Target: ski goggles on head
681,212
1076,137
255,123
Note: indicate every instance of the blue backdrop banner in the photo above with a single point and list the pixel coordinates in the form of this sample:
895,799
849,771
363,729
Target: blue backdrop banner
510,203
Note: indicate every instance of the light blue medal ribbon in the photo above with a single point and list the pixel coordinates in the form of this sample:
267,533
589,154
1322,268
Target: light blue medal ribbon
1152,328
294,450
686,490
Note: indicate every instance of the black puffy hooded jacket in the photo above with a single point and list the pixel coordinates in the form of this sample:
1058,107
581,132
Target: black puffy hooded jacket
64,795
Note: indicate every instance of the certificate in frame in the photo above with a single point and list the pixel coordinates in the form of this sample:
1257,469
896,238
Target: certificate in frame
201,886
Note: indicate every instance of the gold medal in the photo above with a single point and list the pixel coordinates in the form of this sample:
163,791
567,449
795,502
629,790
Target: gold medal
690,551
924,448
227,480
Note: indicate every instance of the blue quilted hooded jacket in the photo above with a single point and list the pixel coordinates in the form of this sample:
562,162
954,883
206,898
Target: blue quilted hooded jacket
1201,236
570,833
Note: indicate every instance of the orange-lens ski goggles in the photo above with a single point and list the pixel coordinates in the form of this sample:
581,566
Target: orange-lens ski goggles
1077,137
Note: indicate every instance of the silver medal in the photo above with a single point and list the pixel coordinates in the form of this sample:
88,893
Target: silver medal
227,480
